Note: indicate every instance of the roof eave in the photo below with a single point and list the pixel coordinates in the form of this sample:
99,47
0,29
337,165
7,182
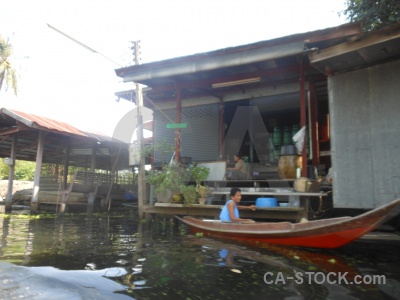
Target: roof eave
233,56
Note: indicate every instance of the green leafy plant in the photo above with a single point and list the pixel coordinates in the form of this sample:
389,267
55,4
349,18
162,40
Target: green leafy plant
373,14
176,176
157,178
203,190
24,170
168,180
163,148
198,173
189,193
8,75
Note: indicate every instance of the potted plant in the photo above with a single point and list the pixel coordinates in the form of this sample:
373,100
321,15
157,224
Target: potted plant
176,176
200,174
157,178
203,191
163,149
189,193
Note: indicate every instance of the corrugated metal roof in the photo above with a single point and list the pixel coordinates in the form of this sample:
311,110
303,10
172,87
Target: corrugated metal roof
47,124
60,138
361,51
273,62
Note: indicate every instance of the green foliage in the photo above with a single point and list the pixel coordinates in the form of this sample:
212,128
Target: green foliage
177,175
157,179
4,170
199,174
8,76
203,191
171,177
24,170
374,14
189,193
164,149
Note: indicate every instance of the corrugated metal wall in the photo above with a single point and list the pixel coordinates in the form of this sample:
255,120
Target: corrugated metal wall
200,140
365,122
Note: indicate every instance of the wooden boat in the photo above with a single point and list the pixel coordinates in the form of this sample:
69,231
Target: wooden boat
325,233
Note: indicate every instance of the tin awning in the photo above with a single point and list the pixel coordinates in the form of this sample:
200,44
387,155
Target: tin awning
361,51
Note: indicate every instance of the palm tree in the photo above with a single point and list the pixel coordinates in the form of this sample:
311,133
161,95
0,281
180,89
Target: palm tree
8,76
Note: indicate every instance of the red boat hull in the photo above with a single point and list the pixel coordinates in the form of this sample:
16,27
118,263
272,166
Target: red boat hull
328,233
329,240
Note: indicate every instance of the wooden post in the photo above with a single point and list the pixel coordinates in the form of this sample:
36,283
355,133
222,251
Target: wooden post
8,204
93,158
139,104
66,166
36,180
303,120
314,125
92,169
221,128
141,175
178,119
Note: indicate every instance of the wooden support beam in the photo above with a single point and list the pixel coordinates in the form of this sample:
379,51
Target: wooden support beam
221,128
208,82
314,124
36,179
8,204
90,204
303,120
178,121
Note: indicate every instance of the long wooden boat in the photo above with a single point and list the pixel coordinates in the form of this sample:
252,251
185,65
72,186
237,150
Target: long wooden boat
325,233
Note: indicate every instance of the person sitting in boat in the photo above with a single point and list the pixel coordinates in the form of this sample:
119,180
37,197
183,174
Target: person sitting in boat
230,212
240,169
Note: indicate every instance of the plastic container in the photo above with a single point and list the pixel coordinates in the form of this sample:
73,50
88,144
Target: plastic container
287,136
288,150
266,202
298,172
277,137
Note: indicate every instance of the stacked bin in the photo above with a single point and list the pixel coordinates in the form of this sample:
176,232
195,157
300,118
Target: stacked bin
277,140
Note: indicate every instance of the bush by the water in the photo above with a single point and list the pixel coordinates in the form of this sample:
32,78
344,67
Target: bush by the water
24,170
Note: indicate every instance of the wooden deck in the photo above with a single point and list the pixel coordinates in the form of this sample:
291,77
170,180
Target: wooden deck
298,204
285,213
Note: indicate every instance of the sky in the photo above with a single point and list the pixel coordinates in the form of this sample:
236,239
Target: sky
61,80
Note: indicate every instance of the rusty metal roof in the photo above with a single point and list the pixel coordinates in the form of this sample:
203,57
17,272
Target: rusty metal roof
47,124
59,136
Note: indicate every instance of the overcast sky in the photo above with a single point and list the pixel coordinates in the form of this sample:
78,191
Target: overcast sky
64,81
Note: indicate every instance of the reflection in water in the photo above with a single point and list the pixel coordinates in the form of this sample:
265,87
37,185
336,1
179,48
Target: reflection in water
117,257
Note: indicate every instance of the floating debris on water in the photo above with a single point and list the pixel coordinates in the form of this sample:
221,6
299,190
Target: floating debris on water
90,266
236,271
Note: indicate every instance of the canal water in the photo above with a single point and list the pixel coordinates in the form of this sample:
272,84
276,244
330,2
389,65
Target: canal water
116,256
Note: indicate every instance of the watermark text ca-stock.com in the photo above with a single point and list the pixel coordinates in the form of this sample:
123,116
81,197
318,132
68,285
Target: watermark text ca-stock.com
322,278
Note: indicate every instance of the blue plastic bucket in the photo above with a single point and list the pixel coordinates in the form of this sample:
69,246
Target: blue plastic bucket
266,202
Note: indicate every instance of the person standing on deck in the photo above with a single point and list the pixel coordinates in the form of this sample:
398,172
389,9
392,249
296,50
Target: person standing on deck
230,212
240,169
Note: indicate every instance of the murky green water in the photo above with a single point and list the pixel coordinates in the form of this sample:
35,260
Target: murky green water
117,257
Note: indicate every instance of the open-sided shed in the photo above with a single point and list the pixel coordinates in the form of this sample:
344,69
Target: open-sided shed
30,137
